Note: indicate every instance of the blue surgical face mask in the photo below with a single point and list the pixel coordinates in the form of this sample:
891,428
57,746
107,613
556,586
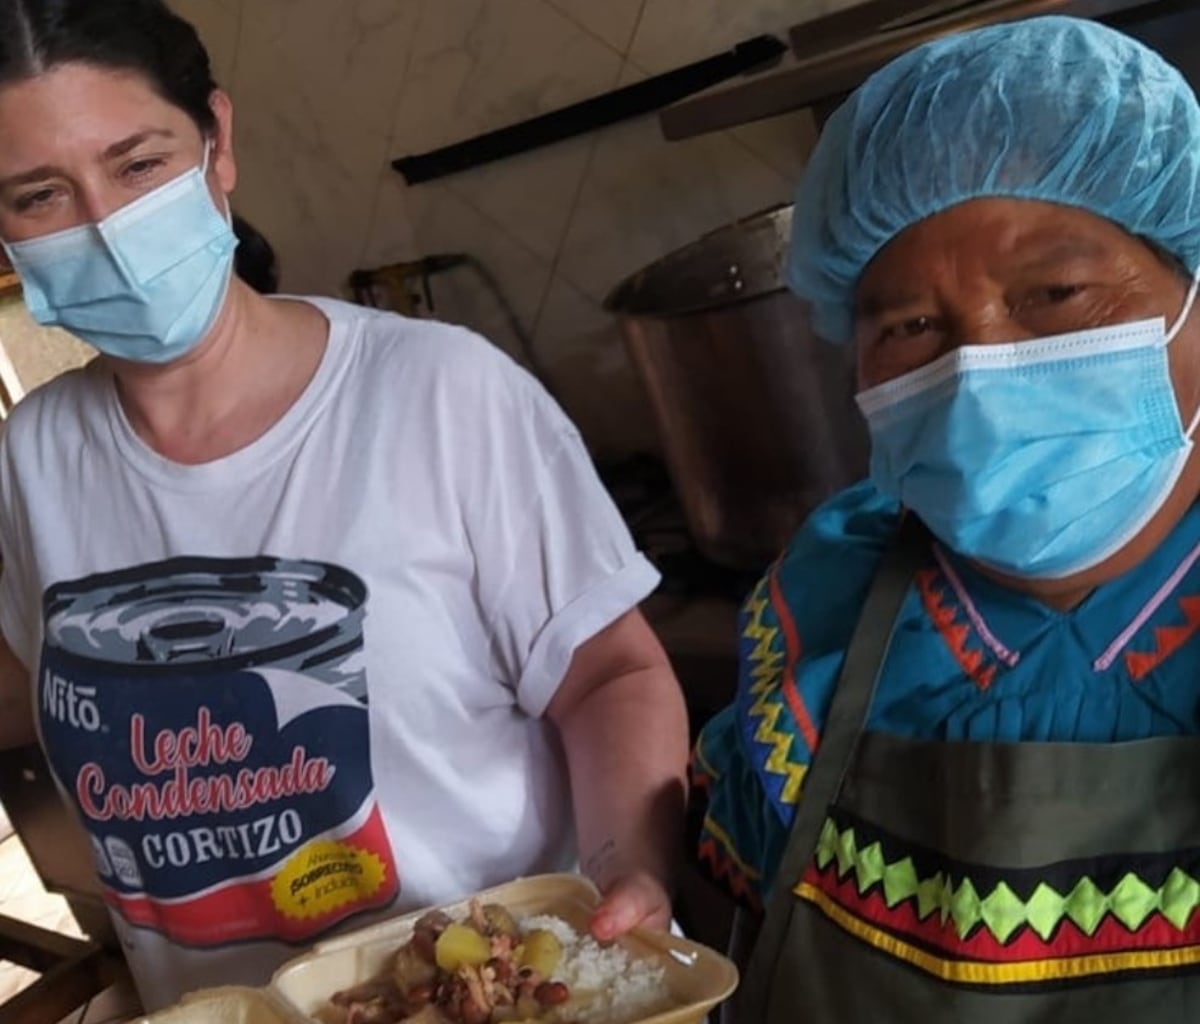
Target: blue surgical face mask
1040,459
144,284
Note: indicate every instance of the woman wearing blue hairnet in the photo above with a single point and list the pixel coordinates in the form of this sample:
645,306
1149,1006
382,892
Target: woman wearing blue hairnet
962,773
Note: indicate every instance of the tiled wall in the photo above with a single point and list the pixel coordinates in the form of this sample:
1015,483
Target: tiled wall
328,91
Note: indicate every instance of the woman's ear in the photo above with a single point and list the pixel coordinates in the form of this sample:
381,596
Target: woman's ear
223,162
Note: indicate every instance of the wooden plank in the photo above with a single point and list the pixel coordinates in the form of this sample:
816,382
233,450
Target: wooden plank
853,24
62,990
72,972
841,71
769,96
37,948
11,388
56,842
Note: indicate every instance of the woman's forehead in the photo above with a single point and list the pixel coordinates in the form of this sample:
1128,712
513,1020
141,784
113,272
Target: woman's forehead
73,105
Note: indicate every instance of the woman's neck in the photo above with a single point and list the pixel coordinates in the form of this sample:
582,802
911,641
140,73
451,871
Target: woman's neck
251,368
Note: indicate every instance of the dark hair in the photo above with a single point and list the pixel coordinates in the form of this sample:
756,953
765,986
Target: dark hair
1169,259
122,35
254,260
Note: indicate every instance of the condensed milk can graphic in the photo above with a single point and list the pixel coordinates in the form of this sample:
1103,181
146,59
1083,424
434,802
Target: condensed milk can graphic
208,718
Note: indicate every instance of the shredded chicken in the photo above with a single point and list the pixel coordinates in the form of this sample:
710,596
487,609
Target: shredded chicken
420,987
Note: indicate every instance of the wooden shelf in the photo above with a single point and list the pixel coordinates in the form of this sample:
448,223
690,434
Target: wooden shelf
836,53
9,282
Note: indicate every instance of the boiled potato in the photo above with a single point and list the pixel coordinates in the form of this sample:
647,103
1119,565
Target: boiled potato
542,951
460,946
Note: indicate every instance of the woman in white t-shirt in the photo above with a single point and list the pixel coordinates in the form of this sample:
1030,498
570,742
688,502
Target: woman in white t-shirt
319,613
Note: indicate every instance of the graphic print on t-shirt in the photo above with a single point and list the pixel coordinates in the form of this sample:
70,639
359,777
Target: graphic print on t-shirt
209,719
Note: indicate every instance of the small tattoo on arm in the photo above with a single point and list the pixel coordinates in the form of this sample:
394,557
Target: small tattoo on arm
598,863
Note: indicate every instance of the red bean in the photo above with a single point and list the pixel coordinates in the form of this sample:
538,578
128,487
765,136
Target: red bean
552,993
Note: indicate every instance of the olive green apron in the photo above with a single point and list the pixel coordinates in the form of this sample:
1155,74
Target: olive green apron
984,883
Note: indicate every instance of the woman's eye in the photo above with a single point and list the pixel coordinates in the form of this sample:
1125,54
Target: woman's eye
32,200
143,168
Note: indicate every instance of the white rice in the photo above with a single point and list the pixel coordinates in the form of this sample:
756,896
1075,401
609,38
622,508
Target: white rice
608,986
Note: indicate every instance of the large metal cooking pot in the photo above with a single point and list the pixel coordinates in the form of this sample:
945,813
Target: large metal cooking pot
756,415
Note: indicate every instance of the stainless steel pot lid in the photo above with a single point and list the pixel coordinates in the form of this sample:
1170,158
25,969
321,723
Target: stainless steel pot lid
741,261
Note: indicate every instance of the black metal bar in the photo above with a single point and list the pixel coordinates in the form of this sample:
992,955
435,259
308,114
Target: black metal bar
599,112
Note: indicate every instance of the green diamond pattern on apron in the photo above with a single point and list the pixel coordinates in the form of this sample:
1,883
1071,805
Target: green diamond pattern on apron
1000,910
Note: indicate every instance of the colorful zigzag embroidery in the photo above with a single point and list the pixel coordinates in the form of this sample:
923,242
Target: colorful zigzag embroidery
765,665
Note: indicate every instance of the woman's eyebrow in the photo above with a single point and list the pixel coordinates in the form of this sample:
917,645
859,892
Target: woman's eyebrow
30,177
117,149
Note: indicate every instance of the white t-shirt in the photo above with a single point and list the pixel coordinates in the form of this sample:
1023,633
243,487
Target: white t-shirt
422,528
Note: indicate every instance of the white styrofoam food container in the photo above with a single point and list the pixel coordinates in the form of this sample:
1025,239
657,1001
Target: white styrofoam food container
698,978
232,1005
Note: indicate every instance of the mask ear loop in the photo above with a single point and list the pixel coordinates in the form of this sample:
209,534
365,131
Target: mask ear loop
1173,333
209,146
1184,313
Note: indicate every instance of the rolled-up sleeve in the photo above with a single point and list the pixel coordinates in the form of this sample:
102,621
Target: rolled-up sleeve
557,561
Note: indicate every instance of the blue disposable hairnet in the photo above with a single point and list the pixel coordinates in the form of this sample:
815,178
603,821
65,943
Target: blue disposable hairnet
1057,109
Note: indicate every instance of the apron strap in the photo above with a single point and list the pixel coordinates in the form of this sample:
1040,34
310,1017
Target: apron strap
847,718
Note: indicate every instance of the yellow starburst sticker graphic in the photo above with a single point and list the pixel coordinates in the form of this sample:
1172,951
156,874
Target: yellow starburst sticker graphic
324,877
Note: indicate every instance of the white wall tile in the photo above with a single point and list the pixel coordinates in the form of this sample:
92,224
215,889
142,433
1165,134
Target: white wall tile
442,222
532,194
676,32
585,355
613,21
645,197
217,22
478,66
390,236
315,87
785,143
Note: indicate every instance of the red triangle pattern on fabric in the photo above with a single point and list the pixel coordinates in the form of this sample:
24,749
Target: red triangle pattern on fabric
1167,640
957,635
723,869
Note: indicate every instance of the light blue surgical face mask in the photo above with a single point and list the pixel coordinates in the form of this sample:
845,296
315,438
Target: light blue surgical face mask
144,284
1040,459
